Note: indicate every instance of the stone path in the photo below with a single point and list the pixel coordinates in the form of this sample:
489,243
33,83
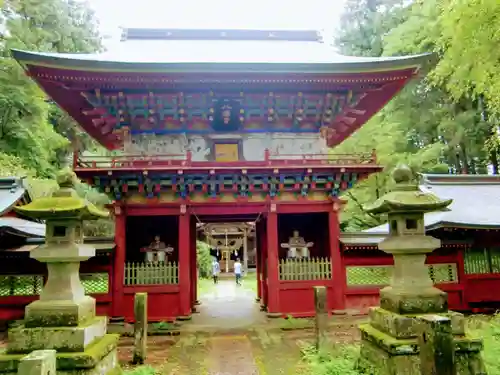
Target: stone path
231,355
227,306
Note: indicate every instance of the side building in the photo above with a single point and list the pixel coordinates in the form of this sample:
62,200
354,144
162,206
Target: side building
467,265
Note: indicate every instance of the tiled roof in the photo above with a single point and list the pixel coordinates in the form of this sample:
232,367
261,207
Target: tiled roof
21,227
11,191
101,244
476,202
238,47
360,239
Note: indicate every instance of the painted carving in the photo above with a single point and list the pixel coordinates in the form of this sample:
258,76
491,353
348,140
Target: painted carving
297,247
225,244
198,147
226,115
149,144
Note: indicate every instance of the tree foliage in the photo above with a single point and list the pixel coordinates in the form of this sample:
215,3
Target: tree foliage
31,127
445,123
203,259
35,134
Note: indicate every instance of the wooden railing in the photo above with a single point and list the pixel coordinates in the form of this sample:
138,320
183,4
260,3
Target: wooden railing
185,161
305,269
148,273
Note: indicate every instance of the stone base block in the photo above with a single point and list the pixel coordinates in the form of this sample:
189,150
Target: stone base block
66,339
426,301
59,313
99,358
385,355
404,326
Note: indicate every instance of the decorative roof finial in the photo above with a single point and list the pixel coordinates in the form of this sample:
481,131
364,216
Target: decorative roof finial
402,174
66,178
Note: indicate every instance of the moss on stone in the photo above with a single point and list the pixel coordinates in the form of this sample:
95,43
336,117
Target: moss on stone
65,339
51,314
406,196
54,207
115,371
68,361
65,202
405,326
387,342
91,356
411,303
407,201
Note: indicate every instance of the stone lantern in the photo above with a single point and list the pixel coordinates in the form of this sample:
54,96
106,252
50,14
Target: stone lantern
64,318
411,290
389,341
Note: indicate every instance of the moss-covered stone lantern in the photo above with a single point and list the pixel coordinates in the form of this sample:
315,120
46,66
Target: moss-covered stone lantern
411,290
64,318
389,341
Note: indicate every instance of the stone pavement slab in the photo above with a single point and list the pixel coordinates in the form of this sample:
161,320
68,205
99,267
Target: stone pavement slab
227,306
231,355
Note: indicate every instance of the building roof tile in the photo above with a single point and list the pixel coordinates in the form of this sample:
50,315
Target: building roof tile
233,48
476,202
11,191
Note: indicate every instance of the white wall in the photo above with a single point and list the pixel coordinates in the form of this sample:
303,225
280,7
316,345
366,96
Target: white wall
253,144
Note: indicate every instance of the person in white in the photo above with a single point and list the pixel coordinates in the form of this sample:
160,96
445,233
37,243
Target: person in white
237,271
215,270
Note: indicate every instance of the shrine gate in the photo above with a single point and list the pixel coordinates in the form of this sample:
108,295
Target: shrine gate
222,126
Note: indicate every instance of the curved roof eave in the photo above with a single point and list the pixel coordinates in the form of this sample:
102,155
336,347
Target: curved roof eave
344,64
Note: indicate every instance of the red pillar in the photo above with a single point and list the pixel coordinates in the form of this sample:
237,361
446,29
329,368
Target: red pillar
184,265
273,303
258,268
118,263
263,264
338,269
462,277
194,273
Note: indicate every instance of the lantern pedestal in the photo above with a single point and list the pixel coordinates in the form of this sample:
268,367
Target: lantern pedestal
390,345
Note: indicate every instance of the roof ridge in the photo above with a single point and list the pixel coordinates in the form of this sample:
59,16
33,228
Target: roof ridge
220,34
461,179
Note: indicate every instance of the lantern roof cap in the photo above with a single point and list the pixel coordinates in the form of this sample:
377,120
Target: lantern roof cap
64,203
406,196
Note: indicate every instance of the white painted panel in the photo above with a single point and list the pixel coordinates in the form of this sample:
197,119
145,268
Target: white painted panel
254,145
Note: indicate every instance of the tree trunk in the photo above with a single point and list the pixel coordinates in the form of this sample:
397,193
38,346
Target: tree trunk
465,163
494,160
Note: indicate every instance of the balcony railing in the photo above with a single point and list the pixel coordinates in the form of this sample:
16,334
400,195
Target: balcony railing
167,161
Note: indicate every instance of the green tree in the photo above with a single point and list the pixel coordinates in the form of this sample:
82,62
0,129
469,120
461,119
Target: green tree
464,35
31,127
203,259
364,24
425,126
24,128
35,134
